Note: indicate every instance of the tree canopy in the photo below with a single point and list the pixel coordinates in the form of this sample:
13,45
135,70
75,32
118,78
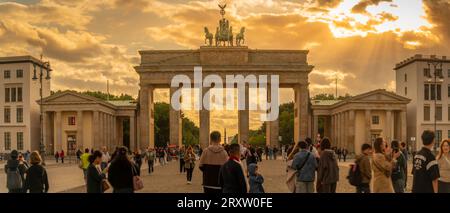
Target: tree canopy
101,95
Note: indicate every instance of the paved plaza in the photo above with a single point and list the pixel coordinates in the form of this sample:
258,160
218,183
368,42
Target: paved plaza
69,179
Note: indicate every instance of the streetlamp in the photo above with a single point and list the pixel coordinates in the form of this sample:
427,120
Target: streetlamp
437,73
45,65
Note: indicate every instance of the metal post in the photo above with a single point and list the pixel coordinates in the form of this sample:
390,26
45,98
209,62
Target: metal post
41,119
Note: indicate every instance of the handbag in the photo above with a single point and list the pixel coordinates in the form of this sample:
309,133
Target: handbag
105,185
138,183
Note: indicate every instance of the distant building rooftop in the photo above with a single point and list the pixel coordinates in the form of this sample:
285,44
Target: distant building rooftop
324,102
131,103
20,59
422,58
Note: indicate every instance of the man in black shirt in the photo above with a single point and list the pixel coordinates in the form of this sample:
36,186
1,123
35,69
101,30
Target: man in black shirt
425,167
231,175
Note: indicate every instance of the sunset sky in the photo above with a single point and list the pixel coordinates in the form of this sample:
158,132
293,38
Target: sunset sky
91,41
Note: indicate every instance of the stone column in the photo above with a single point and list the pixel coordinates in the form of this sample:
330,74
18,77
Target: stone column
80,125
388,125
100,131
114,133
146,123
105,129
332,129
340,130
316,126
351,132
300,111
95,130
243,117
404,126
204,123
272,127
133,144
175,123
58,131
368,125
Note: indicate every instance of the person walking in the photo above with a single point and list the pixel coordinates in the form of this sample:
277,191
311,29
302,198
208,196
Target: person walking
339,154
266,152
36,176
398,171
61,156
344,154
150,157
84,162
383,162
181,157
275,152
121,172
425,168
95,176
328,169
305,164
56,156
270,153
189,164
78,154
363,164
231,174
259,152
138,159
14,173
255,179
105,158
211,160
443,159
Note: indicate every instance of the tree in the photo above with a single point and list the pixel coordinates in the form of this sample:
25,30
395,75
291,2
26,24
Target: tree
324,96
100,95
286,123
162,131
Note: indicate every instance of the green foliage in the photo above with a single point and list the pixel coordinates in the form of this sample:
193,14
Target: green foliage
100,95
286,123
190,132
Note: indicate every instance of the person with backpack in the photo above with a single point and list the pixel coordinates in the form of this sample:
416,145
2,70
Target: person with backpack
305,164
211,160
36,180
398,171
14,175
361,173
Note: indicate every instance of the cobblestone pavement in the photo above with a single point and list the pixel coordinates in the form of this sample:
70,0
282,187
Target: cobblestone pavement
168,179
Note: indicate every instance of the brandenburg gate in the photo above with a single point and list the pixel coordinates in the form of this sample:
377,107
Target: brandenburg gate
223,57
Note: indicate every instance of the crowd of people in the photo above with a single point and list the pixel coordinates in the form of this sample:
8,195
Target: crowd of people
381,167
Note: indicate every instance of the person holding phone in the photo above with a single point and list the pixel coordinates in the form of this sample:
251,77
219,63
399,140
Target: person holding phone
384,160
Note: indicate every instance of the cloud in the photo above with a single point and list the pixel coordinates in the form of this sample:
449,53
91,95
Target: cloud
328,3
438,13
363,4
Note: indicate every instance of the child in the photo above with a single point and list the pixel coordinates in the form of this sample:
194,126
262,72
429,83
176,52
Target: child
256,180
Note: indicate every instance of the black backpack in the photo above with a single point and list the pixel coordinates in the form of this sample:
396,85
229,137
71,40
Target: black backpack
354,175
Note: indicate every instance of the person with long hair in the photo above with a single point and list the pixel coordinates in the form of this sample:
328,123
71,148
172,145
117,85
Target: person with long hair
36,176
121,172
443,159
383,162
328,169
95,176
189,163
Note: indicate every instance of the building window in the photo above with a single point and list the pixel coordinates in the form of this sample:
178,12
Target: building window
439,73
426,92
448,115
7,115
19,73
19,115
448,73
438,91
426,73
448,92
375,120
438,113
426,113
19,140
19,94
13,94
433,92
406,90
8,95
71,121
406,78
7,74
7,136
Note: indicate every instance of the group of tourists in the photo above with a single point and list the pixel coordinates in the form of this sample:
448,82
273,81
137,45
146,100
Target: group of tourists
24,176
59,156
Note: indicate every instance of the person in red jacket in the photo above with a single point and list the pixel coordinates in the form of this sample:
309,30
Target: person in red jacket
61,156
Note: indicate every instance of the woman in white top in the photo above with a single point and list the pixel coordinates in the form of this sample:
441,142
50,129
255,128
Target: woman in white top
443,159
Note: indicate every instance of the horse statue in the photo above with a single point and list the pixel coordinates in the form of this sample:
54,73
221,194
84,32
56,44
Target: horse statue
208,37
224,37
240,37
